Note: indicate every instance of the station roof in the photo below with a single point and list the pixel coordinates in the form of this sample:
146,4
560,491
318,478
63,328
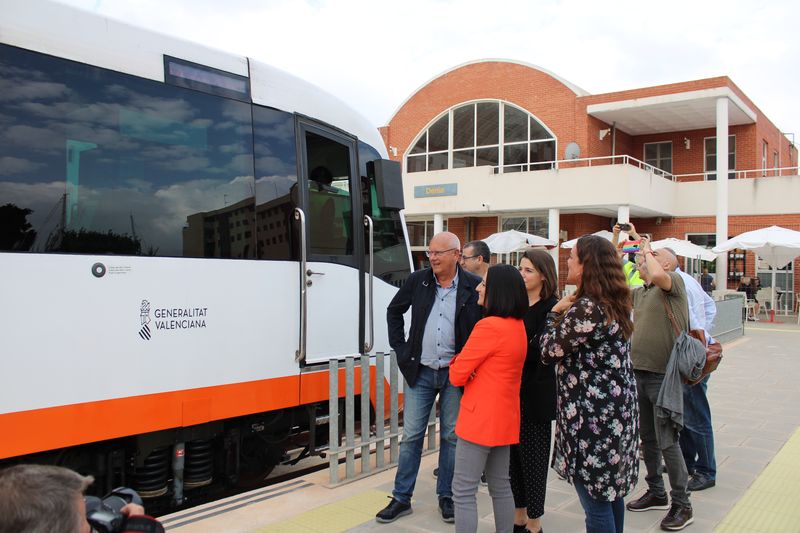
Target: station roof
683,111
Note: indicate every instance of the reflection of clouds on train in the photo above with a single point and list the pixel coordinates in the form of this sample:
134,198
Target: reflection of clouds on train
23,85
280,184
158,214
163,170
15,165
64,114
276,127
189,197
35,140
140,156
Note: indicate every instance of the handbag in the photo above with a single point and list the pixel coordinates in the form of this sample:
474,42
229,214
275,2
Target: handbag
713,354
713,351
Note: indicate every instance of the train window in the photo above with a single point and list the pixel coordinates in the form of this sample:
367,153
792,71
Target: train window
276,184
329,211
98,162
391,253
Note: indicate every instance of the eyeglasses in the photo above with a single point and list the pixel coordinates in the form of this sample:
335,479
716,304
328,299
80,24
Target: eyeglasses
431,253
465,257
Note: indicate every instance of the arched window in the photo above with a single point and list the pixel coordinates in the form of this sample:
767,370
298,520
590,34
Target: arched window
486,133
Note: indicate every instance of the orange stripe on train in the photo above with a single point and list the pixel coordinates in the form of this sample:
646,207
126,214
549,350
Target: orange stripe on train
38,430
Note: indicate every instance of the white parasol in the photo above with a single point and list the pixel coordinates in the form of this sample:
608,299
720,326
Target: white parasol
512,241
776,245
604,233
684,248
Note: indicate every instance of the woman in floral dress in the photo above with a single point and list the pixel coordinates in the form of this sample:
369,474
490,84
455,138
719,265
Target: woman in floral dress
597,422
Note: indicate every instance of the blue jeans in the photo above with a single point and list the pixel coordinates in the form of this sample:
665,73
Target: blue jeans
601,516
697,436
417,405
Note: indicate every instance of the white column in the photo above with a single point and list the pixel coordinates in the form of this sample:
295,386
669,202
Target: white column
553,231
438,224
624,214
722,189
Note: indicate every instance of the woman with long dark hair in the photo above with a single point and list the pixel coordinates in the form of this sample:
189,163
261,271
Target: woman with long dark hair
537,397
489,368
597,419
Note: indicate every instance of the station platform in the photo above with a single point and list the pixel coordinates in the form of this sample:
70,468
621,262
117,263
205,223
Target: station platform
755,399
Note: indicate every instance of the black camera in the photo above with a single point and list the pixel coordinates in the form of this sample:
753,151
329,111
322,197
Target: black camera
625,227
105,515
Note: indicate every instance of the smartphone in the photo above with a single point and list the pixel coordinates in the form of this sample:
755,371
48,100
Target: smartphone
631,247
625,227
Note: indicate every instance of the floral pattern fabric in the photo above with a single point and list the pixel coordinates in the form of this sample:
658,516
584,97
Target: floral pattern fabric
597,421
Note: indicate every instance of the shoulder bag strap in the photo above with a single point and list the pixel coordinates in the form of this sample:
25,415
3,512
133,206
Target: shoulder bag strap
671,316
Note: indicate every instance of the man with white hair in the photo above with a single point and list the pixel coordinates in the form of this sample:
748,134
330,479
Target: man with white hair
444,309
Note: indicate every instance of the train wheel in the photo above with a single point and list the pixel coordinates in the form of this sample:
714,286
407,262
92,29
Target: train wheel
257,458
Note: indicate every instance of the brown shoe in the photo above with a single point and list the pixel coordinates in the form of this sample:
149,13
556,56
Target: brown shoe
677,518
648,502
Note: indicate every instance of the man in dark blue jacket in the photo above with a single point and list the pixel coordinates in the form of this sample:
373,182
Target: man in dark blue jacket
444,309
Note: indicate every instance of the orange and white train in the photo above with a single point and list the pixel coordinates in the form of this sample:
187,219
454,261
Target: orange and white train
187,237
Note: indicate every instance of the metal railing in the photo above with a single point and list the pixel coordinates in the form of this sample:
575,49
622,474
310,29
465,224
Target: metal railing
741,174
632,161
368,443
584,162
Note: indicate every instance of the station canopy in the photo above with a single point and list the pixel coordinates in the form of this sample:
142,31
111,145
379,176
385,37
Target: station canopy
684,111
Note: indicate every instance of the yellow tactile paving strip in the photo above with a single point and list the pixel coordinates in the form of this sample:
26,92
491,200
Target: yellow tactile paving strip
772,503
334,517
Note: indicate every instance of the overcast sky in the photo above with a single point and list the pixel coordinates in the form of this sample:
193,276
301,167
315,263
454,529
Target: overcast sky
373,54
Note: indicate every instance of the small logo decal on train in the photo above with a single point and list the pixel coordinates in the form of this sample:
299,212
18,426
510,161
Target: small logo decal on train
170,318
98,270
144,333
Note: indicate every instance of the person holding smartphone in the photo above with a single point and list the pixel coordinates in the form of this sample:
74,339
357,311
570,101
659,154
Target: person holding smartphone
632,277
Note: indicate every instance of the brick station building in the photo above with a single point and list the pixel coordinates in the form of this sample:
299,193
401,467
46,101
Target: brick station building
493,145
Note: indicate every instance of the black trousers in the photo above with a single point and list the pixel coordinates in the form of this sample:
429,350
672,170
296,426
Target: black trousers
528,465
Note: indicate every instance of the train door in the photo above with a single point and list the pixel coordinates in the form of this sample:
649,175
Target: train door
334,236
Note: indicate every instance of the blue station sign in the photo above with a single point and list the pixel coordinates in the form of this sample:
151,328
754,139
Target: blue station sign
439,189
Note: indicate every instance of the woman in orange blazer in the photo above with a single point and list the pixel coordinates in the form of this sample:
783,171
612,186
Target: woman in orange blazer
489,368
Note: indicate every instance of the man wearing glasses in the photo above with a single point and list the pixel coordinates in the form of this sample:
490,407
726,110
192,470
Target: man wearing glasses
475,258
444,309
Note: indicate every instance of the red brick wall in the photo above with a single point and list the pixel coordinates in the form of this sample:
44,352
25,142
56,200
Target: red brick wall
564,113
481,227
692,161
548,99
576,226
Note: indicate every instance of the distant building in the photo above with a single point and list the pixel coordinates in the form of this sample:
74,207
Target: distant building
494,145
